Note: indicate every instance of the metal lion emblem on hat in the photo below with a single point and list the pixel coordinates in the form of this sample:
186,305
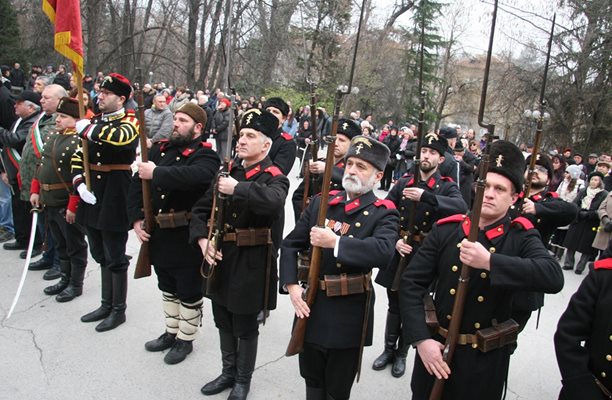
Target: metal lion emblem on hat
498,161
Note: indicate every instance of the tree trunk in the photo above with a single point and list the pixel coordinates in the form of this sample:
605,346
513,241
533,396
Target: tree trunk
192,27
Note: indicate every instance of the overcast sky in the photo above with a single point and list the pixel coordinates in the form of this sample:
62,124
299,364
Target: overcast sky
474,17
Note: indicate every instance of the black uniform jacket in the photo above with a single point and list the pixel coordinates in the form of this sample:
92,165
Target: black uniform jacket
551,213
588,319
113,139
519,261
181,177
336,184
440,199
282,152
12,145
257,201
368,231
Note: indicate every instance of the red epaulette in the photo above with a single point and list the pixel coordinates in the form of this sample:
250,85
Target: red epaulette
273,170
523,222
553,195
286,136
606,263
388,204
206,145
334,192
447,178
187,152
452,218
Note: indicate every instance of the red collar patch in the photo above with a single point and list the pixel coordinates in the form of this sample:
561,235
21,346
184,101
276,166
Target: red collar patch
431,182
336,200
187,152
253,171
495,232
340,164
388,204
352,205
606,263
286,136
536,197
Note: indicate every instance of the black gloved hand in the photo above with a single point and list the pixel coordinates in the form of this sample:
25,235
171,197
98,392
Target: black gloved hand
608,227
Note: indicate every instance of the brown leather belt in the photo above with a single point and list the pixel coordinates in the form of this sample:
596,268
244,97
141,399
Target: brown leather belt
110,167
249,237
47,187
344,284
462,339
173,219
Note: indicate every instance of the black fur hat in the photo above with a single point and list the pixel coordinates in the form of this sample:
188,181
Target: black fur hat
370,150
348,128
436,142
543,160
506,159
279,103
260,120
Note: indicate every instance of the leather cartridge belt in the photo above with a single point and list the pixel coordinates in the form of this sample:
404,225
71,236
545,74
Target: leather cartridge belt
173,219
47,187
485,340
249,237
110,167
415,238
344,284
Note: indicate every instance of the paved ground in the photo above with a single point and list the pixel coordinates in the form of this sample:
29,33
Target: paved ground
47,353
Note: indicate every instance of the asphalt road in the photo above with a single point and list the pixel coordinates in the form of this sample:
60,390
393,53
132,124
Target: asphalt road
47,353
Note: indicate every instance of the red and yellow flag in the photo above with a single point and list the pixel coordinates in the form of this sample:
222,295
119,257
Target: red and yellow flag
66,17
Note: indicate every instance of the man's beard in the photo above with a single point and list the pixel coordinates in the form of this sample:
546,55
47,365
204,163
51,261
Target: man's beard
178,140
354,185
538,185
430,167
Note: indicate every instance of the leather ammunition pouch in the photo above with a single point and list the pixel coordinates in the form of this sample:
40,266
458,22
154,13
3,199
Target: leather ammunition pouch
431,318
48,187
344,284
249,237
173,219
110,167
485,340
303,266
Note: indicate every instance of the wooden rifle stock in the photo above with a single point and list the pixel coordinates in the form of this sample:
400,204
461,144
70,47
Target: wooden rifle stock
296,343
310,180
450,344
403,262
143,263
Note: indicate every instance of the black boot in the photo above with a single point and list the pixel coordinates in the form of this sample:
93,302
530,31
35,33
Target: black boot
64,279
569,260
245,365
228,374
392,330
75,284
117,314
107,298
165,341
53,273
313,393
399,361
584,258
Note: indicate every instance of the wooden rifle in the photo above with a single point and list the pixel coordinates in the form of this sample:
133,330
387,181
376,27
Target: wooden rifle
143,263
450,344
403,262
540,116
296,343
216,223
311,183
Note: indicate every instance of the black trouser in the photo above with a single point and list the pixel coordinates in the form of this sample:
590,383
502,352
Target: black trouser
108,248
385,183
22,219
183,282
332,370
393,297
49,255
70,243
239,325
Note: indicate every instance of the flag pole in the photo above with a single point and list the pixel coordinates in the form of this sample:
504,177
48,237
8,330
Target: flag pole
84,144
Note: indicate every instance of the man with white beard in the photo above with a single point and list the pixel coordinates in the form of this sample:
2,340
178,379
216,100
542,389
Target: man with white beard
359,234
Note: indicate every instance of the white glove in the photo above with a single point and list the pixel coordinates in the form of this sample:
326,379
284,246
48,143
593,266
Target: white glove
86,195
399,157
82,124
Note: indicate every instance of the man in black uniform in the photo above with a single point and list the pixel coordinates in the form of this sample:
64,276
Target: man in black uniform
546,211
112,140
587,369
347,130
434,197
283,149
256,190
508,256
450,166
181,170
52,188
359,235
